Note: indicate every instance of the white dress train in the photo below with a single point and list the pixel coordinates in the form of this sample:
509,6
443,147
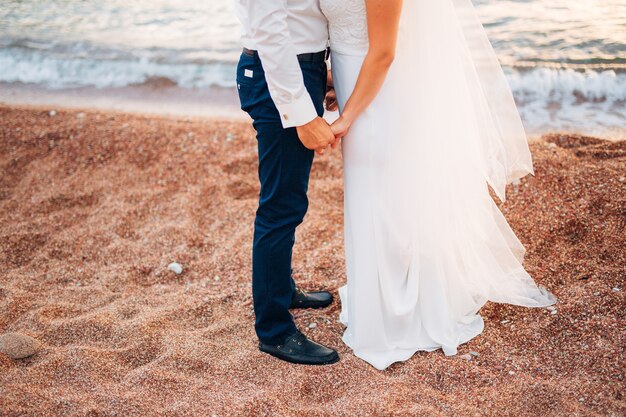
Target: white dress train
426,245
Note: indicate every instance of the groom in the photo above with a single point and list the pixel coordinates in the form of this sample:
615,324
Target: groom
281,78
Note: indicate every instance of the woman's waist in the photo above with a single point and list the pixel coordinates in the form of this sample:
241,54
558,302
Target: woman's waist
348,49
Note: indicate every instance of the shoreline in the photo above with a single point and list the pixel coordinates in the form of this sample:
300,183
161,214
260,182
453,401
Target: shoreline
94,205
159,97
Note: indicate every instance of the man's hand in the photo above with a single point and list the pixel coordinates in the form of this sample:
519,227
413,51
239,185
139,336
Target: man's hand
316,135
330,101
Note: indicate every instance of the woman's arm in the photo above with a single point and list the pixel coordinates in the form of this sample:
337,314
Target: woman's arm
383,19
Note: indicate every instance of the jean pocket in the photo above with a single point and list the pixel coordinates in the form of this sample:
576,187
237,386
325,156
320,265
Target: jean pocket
248,70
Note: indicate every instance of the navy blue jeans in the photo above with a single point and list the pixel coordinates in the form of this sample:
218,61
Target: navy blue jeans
284,168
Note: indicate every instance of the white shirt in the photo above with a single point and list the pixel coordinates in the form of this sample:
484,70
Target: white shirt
280,30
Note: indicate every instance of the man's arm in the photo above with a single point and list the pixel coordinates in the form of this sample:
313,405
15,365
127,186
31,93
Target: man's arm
270,33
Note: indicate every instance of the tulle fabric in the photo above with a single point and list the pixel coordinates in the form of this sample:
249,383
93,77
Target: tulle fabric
426,245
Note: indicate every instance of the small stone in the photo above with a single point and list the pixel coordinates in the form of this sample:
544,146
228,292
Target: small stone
312,325
511,372
217,278
551,308
504,322
553,312
552,145
18,345
52,113
176,268
466,356
229,137
596,293
617,289
474,353
81,115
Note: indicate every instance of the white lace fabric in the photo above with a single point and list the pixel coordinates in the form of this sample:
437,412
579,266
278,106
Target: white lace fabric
347,26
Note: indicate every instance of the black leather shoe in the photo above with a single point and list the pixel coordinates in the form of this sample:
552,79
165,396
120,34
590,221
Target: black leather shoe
306,299
298,349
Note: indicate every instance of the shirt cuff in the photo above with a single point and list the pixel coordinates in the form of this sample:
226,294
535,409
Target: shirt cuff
297,113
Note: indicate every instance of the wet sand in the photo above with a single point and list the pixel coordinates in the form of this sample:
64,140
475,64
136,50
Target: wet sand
95,205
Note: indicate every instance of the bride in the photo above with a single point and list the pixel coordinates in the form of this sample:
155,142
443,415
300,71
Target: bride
428,123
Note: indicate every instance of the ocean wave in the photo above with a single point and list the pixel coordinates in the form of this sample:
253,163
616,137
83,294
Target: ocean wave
567,85
549,99
566,100
53,71
58,71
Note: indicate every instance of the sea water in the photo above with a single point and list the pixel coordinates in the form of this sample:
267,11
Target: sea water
565,59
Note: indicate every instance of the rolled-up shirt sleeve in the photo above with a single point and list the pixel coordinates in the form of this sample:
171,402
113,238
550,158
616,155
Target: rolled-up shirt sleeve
270,33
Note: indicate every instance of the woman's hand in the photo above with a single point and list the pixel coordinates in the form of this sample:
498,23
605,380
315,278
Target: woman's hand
340,129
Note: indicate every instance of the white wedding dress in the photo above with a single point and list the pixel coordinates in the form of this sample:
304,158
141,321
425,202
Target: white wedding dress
426,245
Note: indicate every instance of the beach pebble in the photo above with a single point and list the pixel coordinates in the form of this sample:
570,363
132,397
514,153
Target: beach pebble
176,268
18,346
551,308
312,325
217,278
474,353
52,113
616,289
229,137
553,312
467,357
511,372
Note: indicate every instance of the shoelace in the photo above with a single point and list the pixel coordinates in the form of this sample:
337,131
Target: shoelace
299,337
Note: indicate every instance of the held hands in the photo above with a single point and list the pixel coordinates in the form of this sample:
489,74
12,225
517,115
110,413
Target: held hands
316,135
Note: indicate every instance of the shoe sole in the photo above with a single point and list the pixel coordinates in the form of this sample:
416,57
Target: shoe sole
313,306
330,361
310,306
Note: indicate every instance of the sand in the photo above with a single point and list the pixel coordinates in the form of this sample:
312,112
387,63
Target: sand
94,206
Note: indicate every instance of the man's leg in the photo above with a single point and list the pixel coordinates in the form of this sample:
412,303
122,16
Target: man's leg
284,167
